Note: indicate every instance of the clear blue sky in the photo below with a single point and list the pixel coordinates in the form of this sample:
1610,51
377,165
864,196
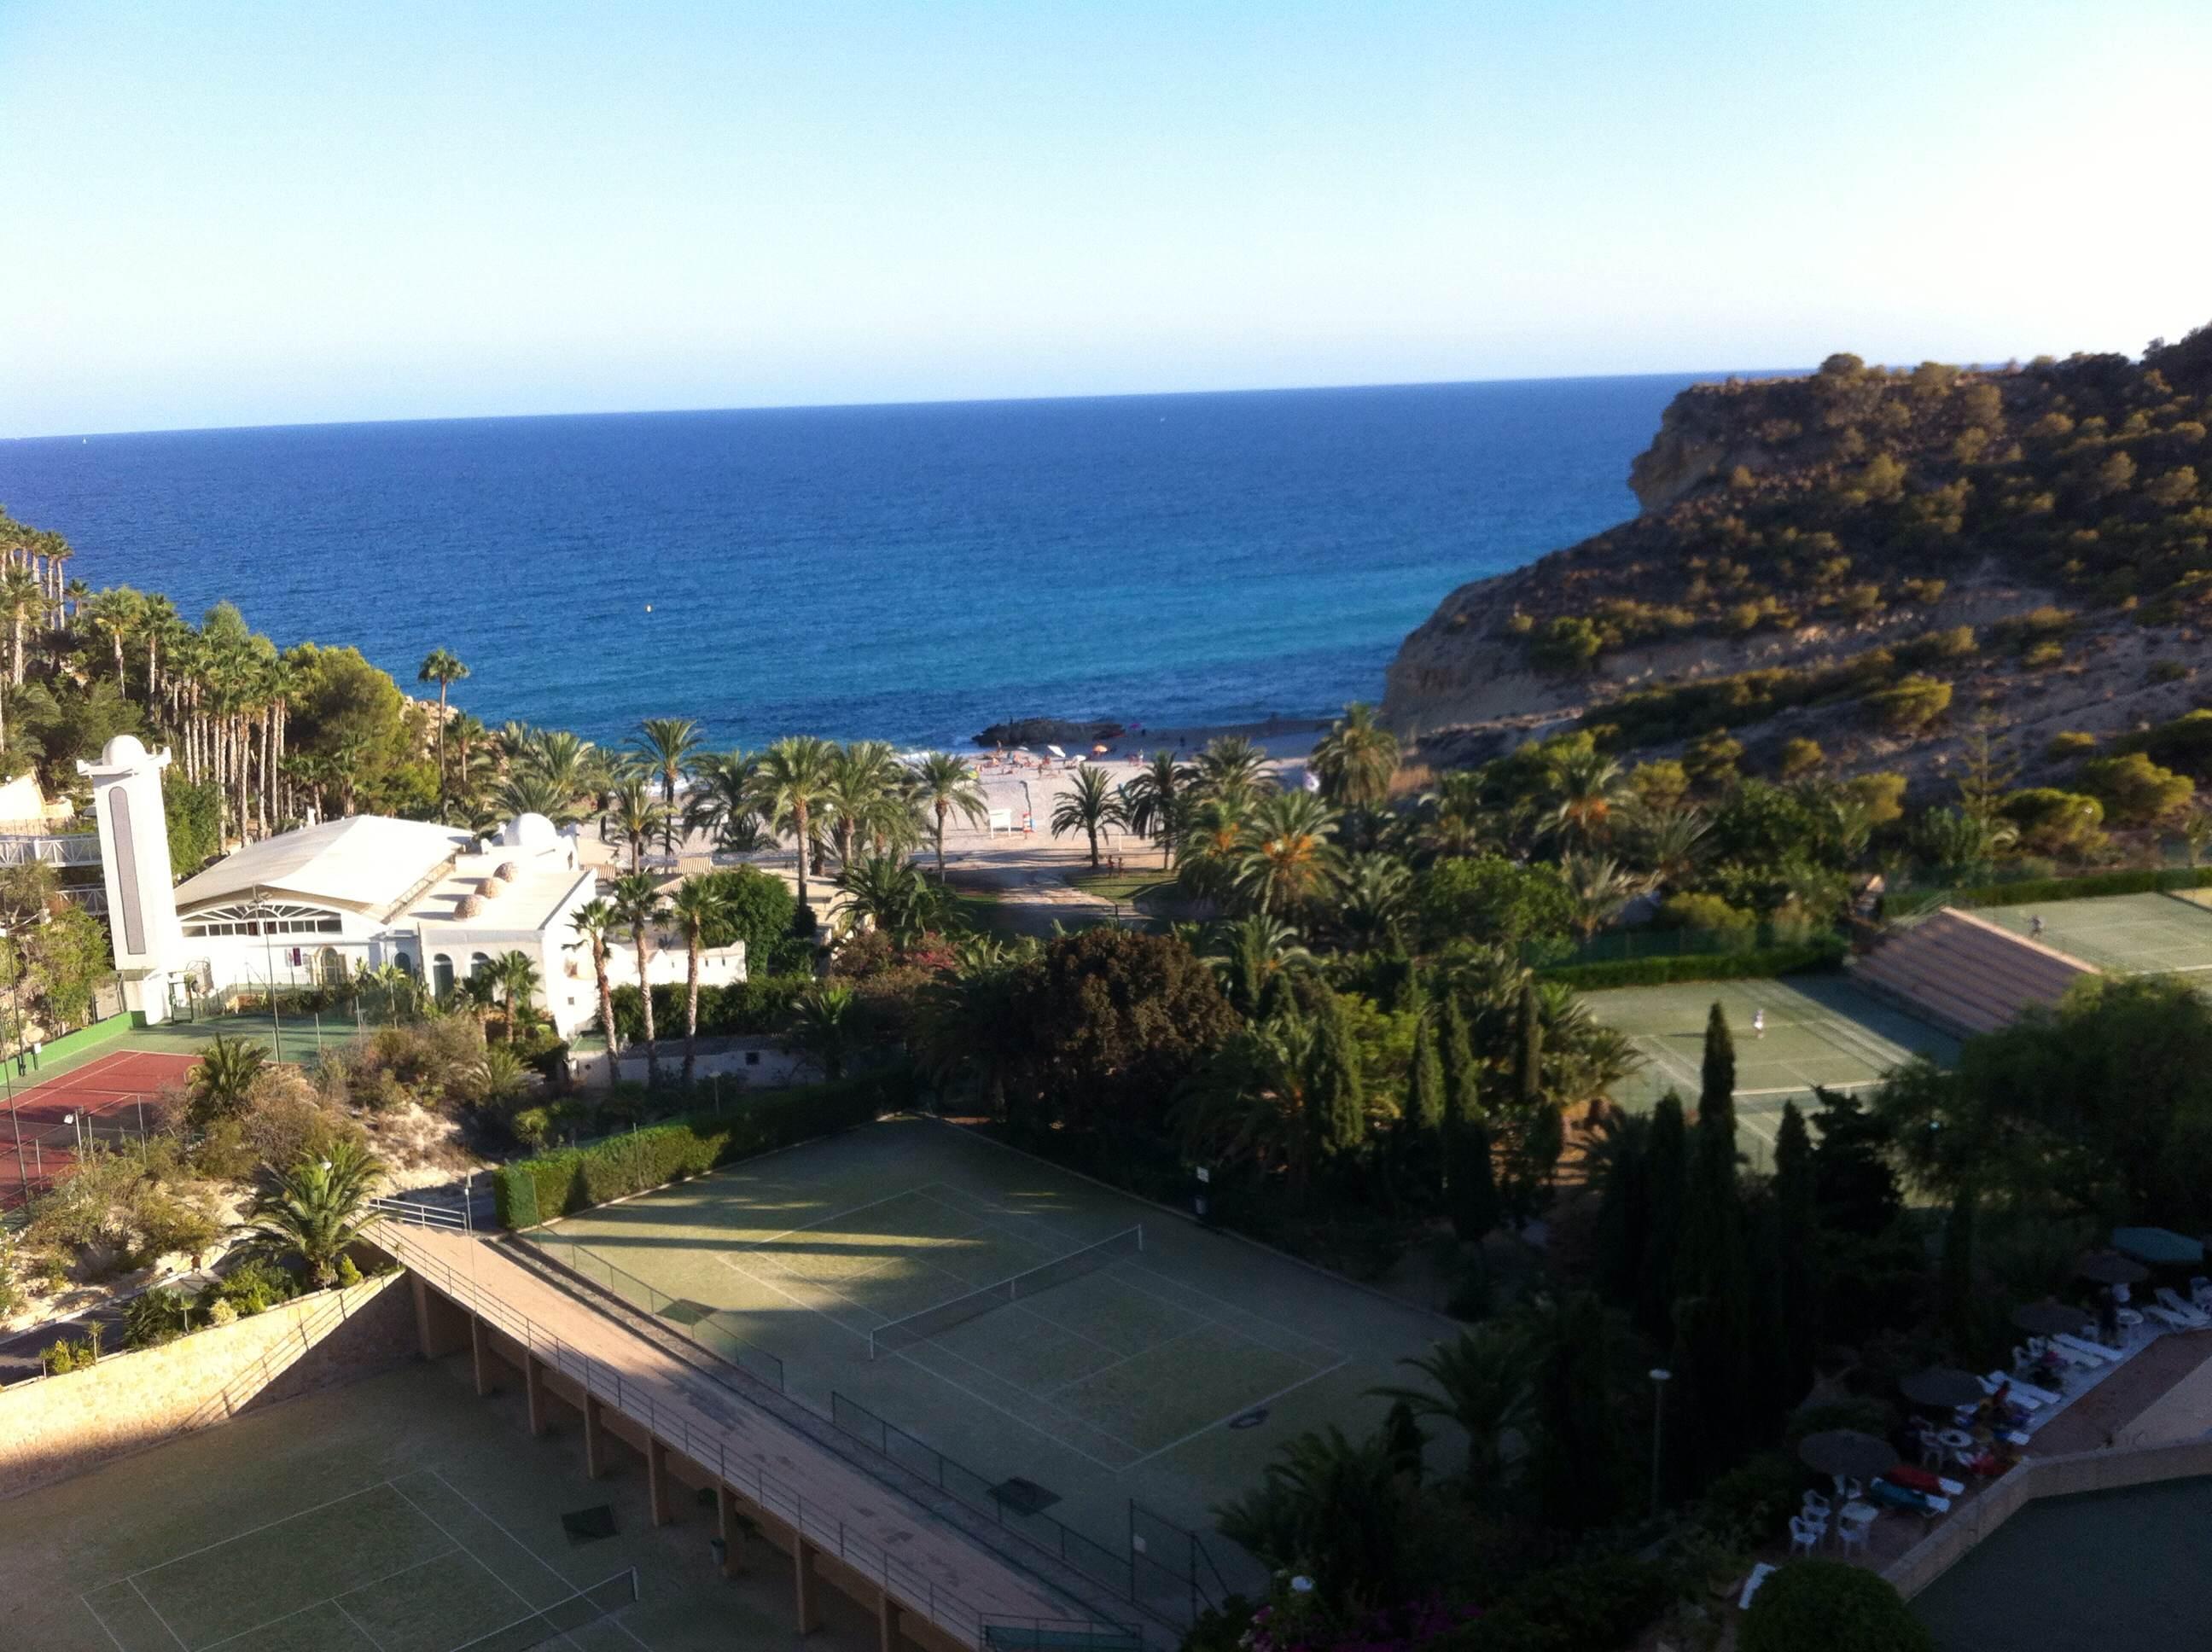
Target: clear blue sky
247,213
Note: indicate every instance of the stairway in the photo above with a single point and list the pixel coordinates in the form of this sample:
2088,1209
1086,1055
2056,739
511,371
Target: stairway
1965,974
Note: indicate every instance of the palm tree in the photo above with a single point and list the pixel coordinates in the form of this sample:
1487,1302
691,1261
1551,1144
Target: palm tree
1672,844
20,599
526,792
1091,808
823,1025
565,764
1232,768
639,819
721,806
314,1210
442,667
1481,1383
1153,799
221,1081
942,783
1212,834
1374,897
866,797
637,905
1598,887
477,993
792,782
1586,787
1250,956
594,921
1356,759
696,903
666,744
518,981
1286,858
888,893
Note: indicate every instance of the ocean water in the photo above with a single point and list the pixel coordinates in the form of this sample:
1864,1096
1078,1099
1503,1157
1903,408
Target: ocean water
911,572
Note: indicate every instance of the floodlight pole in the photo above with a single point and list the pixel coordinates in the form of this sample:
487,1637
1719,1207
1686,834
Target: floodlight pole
269,959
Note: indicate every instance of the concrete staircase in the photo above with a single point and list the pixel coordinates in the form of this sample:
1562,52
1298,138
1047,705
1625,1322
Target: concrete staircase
1965,974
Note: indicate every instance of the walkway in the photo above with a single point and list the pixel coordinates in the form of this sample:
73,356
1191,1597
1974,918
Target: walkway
841,1512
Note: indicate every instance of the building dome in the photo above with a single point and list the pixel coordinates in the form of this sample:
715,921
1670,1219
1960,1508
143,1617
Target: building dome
469,906
532,832
507,871
123,752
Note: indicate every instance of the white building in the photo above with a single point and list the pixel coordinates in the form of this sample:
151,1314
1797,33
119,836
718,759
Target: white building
315,907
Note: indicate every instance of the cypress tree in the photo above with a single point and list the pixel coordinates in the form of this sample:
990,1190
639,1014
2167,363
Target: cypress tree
1474,1189
1461,1078
1529,1050
1403,1440
1796,1248
1667,1162
1624,1212
1424,1085
1339,1095
1716,1090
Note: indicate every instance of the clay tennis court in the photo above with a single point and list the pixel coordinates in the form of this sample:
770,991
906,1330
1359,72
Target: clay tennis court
50,1118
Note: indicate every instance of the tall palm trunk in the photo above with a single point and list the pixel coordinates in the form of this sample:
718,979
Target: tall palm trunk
941,807
645,1002
606,1004
805,829
690,1008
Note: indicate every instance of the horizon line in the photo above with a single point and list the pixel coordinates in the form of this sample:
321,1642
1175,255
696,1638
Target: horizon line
917,401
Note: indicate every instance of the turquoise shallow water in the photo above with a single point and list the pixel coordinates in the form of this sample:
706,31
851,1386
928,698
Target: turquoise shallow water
911,573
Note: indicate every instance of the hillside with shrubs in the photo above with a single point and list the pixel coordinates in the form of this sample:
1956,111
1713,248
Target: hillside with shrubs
1873,563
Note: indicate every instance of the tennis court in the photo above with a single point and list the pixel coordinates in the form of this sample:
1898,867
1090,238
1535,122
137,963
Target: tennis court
98,1099
1819,1029
928,1288
399,1565
2150,933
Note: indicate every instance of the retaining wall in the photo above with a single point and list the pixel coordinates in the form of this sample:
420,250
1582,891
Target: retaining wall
58,1426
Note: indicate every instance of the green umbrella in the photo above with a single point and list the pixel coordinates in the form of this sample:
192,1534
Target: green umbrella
2160,1247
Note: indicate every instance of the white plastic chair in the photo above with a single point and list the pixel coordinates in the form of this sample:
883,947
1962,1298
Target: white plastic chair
1803,1535
1816,1506
1852,1534
2188,1312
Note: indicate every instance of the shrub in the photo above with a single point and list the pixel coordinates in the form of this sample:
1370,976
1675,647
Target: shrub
254,1286
1709,912
349,1273
1824,953
1572,1608
156,1316
1834,1605
571,1179
531,1125
1712,758
1800,757
2135,790
2042,891
2056,822
2164,670
2066,746
1567,646
1754,1501
1491,899
1911,704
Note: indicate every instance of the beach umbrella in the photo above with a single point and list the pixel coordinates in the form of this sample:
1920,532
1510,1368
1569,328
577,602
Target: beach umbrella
2052,1318
1942,1387
1847,1453
1056,751
2106,1267
1100,749
2160,1247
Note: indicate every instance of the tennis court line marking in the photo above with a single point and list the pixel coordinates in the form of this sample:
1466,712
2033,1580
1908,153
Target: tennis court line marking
326,1599
1254,1405
102,1621
1124,1358
204,1548
921,1188
984,1400
546,1565
1226,1324
158,1617
358,1627
480,1565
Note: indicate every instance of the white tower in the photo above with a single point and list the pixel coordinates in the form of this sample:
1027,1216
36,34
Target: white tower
133,861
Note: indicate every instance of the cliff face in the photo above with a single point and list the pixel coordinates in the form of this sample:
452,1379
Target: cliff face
2052,522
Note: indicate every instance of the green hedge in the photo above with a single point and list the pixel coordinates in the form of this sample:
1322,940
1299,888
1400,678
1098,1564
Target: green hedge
2042,891
571,1179
1825,953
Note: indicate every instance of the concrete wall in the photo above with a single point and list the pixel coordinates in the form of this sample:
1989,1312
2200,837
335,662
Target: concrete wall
61,1425
2042,1477
773,1068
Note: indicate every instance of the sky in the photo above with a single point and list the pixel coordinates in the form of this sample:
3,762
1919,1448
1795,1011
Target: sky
238,213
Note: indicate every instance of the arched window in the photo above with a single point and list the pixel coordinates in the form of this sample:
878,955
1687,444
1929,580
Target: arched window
441,975
330,967
479,963
406,961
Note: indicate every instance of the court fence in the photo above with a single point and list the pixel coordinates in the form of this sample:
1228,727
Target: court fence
33,1159
548,1625
945,1316
1163,1567
694,1320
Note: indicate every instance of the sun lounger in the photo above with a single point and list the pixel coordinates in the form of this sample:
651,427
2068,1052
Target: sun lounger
2095,1350
2078,1358
2181,1309
1759,1574
2168,1318
2026,1395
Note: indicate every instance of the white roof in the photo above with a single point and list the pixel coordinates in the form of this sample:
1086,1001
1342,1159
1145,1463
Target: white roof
368,862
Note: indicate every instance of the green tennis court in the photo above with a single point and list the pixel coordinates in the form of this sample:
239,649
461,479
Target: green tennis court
1819,1030
934,1292
2140,934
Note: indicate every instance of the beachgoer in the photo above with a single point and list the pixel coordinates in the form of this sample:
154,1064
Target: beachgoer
2034,926
1758,1023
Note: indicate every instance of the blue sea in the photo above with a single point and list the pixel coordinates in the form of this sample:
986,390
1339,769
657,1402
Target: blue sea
911,572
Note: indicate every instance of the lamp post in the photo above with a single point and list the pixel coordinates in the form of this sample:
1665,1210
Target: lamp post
1660,1377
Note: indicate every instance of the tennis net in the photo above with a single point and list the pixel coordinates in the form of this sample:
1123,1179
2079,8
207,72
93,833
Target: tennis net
555,1622
931,1321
